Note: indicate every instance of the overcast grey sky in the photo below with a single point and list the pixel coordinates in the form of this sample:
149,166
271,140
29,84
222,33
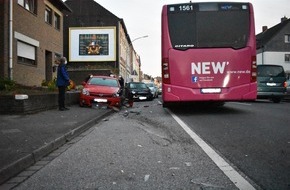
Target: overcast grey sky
144,18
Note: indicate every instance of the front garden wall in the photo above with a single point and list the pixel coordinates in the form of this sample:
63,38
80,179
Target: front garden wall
34,103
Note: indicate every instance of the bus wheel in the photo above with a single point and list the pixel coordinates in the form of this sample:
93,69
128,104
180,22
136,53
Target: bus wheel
167,104
219,104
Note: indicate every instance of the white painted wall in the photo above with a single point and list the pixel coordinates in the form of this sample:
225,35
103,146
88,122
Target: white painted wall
276,58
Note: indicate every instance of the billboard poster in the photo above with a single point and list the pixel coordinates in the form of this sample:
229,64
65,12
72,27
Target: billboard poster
92,44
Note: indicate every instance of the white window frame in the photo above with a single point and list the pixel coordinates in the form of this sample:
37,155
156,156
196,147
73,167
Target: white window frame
57,21
29,5
48,15
287,58
287,38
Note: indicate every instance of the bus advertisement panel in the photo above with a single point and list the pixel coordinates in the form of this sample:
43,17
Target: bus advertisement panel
208,52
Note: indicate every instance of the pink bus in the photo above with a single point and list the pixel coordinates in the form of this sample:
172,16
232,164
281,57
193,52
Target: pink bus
208,52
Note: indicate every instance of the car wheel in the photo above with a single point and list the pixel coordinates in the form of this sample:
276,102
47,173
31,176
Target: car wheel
276,100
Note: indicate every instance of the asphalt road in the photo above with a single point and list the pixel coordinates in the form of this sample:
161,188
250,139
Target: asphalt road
254,137
144,147
137,148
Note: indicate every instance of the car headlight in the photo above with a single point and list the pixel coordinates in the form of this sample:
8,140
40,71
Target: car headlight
85,92
116,95
133,92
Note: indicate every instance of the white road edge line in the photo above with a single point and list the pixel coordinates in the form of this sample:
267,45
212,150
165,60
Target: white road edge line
228,170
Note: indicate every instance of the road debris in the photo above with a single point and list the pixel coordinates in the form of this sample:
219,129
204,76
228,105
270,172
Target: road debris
146,177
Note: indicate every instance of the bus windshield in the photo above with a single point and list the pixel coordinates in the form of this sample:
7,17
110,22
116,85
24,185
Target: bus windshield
209,25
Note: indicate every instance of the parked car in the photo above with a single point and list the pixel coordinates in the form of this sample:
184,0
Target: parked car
160,89
288,90
138,90
101,91
271,81
153,88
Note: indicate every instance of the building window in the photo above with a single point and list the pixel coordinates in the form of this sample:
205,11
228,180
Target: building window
287,38
29,5
287,58
56,21
48,15
26,53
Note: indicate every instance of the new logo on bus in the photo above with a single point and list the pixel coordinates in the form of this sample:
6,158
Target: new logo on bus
207,68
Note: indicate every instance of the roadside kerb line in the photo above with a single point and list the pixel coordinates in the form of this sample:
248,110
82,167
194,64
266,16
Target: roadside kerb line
239,181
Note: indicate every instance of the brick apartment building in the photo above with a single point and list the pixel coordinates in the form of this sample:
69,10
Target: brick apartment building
31,36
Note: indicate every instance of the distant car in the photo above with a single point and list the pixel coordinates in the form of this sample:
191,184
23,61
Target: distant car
153,88
101,90
271,81
138,90
160,89
288,90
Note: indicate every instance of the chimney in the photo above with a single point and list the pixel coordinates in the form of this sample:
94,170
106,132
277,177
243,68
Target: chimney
283,19
264,28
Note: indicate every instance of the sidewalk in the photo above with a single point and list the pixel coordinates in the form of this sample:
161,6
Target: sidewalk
25,139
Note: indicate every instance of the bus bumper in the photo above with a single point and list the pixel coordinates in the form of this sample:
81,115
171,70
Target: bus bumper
171,93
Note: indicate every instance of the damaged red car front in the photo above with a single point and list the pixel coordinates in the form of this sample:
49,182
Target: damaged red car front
101,91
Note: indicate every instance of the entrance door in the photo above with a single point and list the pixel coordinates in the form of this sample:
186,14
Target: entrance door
48,66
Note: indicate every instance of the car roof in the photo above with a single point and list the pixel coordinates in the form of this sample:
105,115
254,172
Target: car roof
103,76
269,65
136,82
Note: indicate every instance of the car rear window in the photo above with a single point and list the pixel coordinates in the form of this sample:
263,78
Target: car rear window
150,84
270,71
138,85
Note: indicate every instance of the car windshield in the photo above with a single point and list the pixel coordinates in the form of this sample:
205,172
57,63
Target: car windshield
138,85
271,71
103,82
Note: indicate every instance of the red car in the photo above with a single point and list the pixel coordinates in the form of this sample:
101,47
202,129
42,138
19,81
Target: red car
101,91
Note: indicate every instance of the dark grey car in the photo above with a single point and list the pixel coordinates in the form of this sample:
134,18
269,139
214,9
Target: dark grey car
138,90
271,81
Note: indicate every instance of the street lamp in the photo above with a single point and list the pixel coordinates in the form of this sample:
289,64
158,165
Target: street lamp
146,36
129,51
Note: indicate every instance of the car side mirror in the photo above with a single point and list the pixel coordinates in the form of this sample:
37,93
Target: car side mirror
84,83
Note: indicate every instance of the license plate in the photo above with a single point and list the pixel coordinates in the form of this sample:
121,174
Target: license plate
142,98
211,90
100,100
271,84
